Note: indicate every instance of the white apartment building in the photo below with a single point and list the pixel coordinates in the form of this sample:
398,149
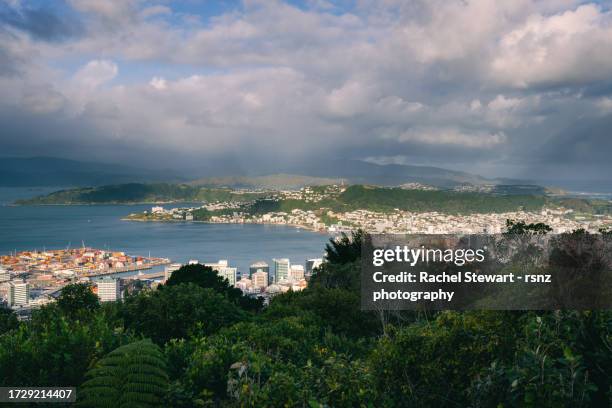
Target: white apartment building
18,293
296,272
108,289
259,279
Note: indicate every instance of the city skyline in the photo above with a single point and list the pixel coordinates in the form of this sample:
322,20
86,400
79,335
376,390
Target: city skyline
511,89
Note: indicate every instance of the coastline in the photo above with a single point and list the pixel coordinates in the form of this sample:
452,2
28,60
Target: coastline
299,226
16,204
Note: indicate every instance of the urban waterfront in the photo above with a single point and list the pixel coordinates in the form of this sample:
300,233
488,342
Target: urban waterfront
52,227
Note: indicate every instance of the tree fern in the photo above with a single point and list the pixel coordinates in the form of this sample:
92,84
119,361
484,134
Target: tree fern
133,375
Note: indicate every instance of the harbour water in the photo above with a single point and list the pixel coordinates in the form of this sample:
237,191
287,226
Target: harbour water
100,226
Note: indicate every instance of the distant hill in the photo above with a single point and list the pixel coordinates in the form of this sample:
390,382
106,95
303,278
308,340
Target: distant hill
50,171
361,172
356,172
271,182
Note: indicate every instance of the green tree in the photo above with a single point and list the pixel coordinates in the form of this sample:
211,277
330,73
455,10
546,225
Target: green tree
345,249
206,277
8,320
133,375
179,311
203,276
77,298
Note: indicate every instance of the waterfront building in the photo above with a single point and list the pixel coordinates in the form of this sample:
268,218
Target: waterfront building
296,273
260,279
18,293
223,269
171,268
108,289
281,270
193,262
258,266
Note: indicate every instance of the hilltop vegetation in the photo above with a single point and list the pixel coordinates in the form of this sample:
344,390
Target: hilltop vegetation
386,199
381,199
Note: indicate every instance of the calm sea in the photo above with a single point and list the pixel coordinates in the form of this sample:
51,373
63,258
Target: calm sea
100,226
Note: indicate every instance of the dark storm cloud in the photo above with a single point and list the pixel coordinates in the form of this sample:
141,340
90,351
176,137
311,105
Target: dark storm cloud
41,23
584,142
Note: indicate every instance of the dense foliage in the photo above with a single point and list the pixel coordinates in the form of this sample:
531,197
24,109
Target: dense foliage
314,348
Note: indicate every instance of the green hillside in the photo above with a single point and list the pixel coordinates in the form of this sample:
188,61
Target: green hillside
138,193
387,199
382,199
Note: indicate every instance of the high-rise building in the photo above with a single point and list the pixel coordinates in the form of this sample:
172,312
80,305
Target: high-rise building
296,273
171,268
108,289
259,266
311,264
223,269
19,293
281,270
259,279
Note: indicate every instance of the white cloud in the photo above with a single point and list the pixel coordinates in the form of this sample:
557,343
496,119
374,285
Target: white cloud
574,46
96,73
502,103
158,83
350,99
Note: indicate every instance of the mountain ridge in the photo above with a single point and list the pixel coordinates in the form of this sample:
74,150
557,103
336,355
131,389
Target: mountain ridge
50,171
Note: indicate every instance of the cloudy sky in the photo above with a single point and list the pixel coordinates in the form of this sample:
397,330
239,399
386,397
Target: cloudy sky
514,88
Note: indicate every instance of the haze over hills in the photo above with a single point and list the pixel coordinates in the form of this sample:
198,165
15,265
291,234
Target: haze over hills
47,171
362,172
